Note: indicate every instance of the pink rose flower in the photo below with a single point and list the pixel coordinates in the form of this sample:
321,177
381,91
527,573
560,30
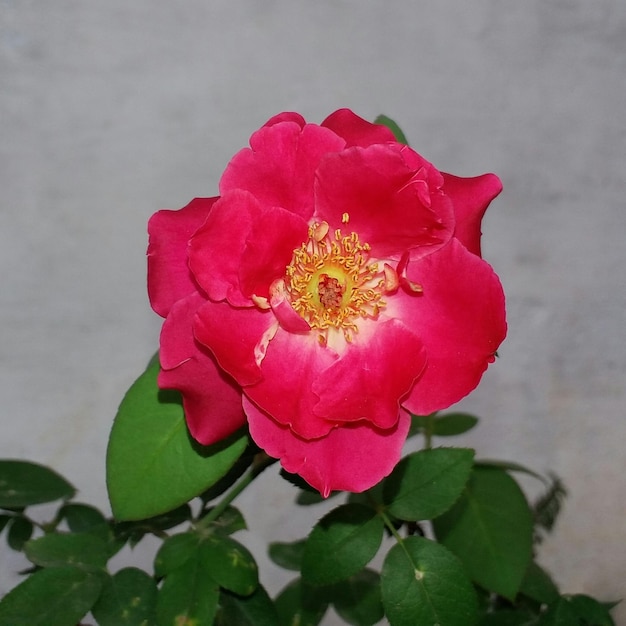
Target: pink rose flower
334,287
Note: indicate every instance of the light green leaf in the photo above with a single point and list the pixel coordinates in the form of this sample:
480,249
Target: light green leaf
153,465
343,542
427,483
423,583
393,127
82,550
23,483
57,596
127,599
490,529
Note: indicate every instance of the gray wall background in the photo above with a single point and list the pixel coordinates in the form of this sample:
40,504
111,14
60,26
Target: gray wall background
110,111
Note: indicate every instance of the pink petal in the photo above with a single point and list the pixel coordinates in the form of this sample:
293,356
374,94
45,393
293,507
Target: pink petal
287,116
470,198
371,377
211,399
235,336
216,248
350,458
383,198
169,278
275,234
460,318
355,130
284,311
291,364
279,167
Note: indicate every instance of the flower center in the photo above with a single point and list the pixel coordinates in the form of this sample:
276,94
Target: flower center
331,283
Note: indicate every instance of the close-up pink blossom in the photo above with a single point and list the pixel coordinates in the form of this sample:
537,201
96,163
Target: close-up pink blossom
332,289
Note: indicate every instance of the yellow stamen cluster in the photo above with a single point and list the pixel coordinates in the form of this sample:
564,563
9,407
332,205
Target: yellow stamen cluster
331,283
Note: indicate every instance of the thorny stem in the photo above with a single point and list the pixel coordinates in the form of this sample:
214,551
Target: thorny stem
260,462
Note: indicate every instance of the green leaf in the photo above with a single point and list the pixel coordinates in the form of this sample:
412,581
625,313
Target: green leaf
174,552
230,564
81,517
427,483
256,609
453,424
82,550
538,586
423,583
23,483
510,617
357,600
391,125
20,531
229,522
490,530
287,555
57,596
343,542
577,610
153,465
299,604
128,598
188,593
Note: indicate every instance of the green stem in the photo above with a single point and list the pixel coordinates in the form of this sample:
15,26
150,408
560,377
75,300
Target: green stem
260,462
429,431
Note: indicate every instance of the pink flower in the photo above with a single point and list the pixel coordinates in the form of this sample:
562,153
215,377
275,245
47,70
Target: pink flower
334,286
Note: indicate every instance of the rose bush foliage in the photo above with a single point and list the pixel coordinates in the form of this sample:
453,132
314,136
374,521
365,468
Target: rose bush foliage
334,286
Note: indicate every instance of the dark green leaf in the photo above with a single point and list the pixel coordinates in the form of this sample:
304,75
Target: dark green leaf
510,466
548,506
256,609
453,424
188,593
577,610
153,465
174,552
58,596
427,483
23,483
287,555
423,583
229,522
391,125
490,530
357,600
343,542
510,617
128,598
20,531
81,550
298,604
230,564
81,517
538,586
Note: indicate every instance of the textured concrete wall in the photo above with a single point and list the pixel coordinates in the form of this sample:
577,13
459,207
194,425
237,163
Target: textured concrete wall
111,110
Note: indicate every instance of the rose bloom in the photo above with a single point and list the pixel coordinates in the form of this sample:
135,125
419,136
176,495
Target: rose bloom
334,287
